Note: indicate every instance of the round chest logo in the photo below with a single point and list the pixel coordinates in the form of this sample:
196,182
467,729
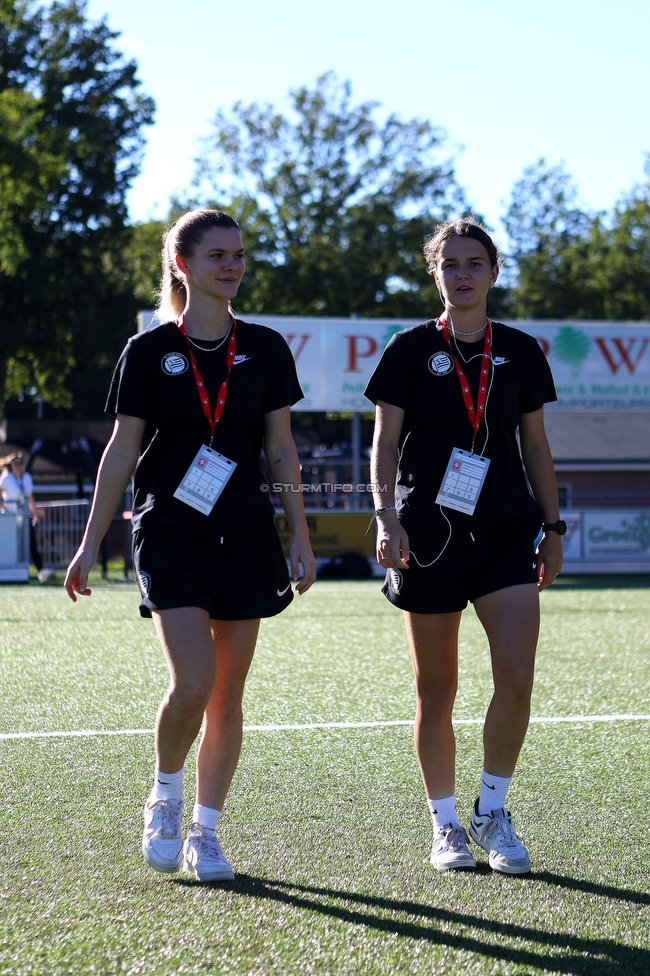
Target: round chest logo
174,363
441,363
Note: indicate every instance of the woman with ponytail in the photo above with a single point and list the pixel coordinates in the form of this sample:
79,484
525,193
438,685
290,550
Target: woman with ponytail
195,400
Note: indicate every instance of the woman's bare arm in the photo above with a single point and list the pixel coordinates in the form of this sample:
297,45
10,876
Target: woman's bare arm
284,465
115,469
539,467
392,540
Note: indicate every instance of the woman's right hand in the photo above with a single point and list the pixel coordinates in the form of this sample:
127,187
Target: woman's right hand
392,542
76,579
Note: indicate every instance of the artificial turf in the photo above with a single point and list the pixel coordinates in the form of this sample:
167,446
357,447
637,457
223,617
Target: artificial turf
327,828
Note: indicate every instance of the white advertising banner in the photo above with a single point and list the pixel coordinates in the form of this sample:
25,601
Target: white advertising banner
335,357
596,365
616,535
305,340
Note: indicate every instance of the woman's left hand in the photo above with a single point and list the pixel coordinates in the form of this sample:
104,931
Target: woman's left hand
301,556
549,559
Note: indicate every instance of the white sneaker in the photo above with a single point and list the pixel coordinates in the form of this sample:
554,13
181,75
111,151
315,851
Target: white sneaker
450,850
44,575
495,834
162,842
203,857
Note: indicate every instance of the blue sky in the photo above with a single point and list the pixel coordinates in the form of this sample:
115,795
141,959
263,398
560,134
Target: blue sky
509,81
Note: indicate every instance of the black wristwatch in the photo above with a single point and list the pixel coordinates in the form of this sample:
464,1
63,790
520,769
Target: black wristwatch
559,527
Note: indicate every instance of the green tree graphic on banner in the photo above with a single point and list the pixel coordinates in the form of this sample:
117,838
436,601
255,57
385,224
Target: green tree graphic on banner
571,347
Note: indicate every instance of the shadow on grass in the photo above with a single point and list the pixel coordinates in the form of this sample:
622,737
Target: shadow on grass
622,581
570,953
592,888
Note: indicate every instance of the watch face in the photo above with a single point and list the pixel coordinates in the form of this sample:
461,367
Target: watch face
561,527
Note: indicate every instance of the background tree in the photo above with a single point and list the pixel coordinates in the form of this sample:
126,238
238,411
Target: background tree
620,259
335,205
72,118
143,257
548,231
572,264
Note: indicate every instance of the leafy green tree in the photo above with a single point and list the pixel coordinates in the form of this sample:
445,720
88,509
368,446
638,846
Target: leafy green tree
143,258
72,118
334,204
548,232
621,278
575,265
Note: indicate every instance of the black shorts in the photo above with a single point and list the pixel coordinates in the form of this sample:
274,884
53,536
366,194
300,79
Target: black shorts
472,565
240,575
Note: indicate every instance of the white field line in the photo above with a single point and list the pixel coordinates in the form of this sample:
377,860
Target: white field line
547,720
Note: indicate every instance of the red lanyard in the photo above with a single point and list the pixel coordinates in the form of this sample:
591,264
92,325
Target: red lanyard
474,415
213,420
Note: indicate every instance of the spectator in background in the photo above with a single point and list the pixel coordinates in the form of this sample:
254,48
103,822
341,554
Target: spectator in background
17,493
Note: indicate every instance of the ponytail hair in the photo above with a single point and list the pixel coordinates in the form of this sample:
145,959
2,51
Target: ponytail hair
183,237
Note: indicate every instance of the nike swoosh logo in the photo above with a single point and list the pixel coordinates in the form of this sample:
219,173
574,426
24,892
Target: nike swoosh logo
240,359
488,785
282,592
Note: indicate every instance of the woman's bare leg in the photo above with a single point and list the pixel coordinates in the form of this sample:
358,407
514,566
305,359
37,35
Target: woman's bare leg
186,640
433,643
510,618
234,645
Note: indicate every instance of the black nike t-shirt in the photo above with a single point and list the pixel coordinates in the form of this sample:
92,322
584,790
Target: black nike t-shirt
416,372
153,380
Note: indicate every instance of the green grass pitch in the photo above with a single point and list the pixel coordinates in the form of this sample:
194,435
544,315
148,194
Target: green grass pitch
327,828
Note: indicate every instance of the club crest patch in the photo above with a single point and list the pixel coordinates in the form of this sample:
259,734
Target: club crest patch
145,582
440,364
174,363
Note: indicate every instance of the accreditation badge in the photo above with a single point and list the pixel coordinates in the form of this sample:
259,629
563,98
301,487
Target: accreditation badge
463,481
205,479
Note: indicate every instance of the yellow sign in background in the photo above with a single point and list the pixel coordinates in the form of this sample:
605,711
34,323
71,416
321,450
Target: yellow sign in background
333,533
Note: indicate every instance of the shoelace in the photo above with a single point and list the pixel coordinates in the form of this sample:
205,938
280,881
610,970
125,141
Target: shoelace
454,838
208,844
507,831
171,819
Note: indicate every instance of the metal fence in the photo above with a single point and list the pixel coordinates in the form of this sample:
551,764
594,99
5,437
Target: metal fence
59,530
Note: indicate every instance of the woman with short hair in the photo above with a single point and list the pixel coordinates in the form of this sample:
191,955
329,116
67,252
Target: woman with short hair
457,523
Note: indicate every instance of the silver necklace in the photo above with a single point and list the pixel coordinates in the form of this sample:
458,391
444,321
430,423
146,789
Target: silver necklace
453,334
212,348
476,332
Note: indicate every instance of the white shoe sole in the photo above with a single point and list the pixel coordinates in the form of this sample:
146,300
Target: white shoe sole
163,867
509,867
504,866
462,864
225,873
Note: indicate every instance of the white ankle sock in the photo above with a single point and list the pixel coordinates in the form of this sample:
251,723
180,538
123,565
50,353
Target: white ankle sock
167,786
443,812
493,792
206,816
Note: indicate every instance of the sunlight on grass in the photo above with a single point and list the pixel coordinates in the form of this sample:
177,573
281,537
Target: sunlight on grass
327,829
